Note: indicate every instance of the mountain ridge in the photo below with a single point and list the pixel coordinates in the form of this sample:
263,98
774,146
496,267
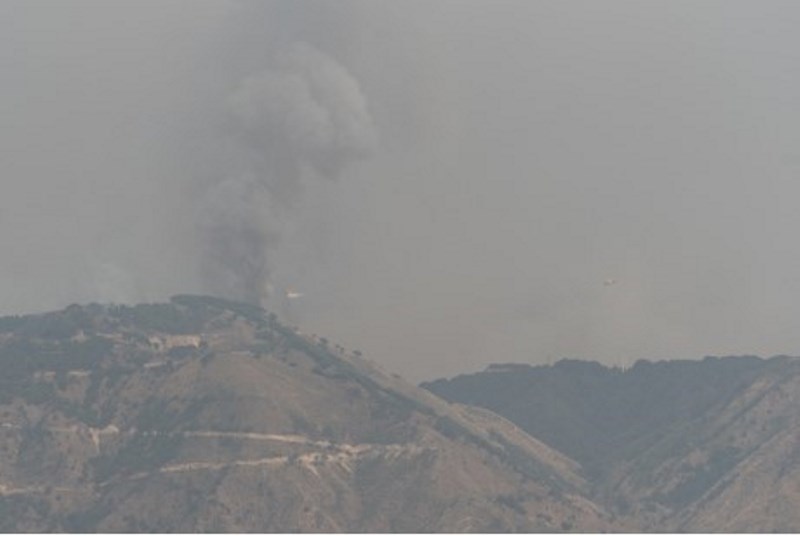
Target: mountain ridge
204,414
703,445
209,415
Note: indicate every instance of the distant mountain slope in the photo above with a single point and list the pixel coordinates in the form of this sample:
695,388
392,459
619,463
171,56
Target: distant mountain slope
597,414
208,415
706,445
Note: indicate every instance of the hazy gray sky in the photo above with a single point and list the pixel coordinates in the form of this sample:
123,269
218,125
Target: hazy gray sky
470,175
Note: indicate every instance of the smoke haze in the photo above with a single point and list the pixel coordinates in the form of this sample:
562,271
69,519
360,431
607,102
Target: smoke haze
448,184
303,117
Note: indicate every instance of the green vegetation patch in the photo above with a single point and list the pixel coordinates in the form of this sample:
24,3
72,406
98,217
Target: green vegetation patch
704,477
143,453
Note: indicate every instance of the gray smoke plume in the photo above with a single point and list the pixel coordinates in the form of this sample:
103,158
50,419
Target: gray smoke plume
529,151
302,119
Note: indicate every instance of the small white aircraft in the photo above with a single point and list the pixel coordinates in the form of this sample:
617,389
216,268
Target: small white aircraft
292,294
609,282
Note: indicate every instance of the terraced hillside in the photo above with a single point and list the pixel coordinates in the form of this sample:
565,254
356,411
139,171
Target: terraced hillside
208,415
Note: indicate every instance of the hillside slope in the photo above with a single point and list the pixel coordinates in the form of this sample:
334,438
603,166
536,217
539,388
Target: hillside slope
208,415
706,445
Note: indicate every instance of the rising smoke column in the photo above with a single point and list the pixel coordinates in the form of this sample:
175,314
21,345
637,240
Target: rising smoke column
302,119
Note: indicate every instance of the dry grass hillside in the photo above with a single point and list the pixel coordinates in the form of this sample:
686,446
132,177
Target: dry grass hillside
208,415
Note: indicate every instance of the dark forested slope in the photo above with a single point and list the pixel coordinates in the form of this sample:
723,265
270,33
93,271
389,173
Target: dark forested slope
669,444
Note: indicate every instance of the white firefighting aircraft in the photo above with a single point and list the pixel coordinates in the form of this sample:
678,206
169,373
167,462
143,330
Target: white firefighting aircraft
292,294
